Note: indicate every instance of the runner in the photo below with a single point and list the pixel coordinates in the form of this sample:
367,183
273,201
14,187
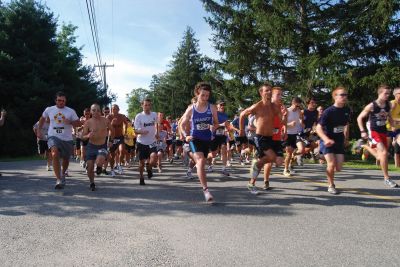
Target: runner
395,113
308,136
80,143
146,128
278,136
200,115
95,131
60,141
264,112
130,142
378,113
43,148
333,129
118,121
218,144
294,145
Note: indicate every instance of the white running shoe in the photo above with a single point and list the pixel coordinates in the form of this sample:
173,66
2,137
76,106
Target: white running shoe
208,197
112,173
210,168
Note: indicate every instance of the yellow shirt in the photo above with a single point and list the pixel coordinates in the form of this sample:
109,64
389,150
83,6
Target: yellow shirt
130,135
395,113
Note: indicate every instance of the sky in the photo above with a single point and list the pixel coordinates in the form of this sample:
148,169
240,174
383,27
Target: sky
138,37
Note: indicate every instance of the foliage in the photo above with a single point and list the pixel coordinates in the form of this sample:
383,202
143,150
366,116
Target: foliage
35,63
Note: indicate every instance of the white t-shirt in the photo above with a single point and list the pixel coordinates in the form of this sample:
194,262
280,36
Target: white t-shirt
146,122
44,130
57,126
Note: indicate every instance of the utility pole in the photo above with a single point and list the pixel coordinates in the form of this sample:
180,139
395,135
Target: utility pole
103,68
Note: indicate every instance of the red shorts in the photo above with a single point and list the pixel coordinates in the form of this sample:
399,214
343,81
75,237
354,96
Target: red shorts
379,137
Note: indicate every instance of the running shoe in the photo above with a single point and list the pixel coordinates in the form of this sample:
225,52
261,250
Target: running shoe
390,183
189,174
119,169
286,173
225,172
58,185
266,185
247,161
142,181
252,188
98,170
92,187
66,173
81,163
254,170
228,163
48,168
159,170
210,168
332,190
105,172
299,160
291,170
207,195
112,173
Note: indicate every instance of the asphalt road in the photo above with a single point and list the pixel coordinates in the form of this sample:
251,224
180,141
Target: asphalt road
167,222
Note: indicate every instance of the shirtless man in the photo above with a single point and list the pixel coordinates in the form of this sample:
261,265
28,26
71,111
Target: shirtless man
264,112
117,122
95,131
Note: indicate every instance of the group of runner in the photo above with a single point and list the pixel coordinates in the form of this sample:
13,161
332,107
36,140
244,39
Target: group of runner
263,131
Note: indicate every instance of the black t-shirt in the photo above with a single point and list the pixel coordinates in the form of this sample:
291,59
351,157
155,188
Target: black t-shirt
333,121
310,117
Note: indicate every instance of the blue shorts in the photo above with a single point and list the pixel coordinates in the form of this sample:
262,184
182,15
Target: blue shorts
336,148
93,151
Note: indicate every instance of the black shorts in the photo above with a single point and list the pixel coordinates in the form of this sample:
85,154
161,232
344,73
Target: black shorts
169,142
42,147
178,142
129,148
263,143
241,140
116,142
292,140
144,151
278,148
231,143
217,142
197,145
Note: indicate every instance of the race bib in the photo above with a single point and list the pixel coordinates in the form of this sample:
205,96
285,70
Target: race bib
338,129
102,151
202,126
306,130
220,131
380,123
58,130
153,145
275,131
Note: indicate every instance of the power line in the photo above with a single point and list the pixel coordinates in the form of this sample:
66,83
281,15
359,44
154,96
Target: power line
93,29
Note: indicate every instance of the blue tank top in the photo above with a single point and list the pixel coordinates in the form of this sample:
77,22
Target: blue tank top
378,117
200,126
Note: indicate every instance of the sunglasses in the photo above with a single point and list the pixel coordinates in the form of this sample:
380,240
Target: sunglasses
60,100
95,110
342,94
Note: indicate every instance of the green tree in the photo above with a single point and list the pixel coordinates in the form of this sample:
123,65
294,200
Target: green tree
36,62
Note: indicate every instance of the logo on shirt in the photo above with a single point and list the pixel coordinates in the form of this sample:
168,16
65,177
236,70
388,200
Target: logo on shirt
59,117
148,124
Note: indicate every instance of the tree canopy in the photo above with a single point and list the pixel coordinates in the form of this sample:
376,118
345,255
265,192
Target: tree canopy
36,61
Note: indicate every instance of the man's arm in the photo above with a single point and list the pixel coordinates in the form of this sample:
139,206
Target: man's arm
215,117
360,120
185,123
245,113
3,117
